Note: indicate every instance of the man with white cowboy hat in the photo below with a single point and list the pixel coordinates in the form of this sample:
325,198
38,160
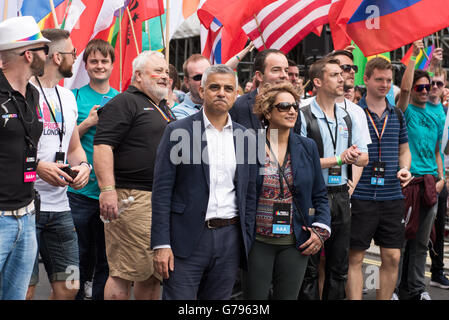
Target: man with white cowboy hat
23,52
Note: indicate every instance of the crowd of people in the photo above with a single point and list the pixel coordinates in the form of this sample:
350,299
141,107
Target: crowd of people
192,191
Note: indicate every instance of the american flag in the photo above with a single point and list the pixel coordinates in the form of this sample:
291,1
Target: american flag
283,23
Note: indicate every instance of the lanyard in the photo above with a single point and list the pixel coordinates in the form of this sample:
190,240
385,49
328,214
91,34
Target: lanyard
281,168
334,141
168,117
379,136
28,138
60,130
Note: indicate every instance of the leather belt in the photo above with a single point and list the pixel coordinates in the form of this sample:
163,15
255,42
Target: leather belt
19,212
336,189
219,223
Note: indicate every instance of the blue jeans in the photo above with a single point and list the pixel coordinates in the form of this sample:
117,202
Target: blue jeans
58,246
18,247
92,251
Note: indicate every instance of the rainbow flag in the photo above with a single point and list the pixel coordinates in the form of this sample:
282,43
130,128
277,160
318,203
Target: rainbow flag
422,62
41,11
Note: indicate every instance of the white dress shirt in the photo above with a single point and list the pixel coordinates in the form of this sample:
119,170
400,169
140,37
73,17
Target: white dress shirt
222,165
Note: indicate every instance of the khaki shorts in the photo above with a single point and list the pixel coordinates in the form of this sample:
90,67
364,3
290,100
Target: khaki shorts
128,239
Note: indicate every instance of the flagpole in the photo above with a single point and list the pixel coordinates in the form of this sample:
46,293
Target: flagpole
120,44
167,32
438,40
147,24
260,31
66,14
53,11
132,29
5,10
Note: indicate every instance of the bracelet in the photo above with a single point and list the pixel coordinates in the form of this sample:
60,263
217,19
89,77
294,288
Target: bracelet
413,58
86,164
339,162
237,56
107,188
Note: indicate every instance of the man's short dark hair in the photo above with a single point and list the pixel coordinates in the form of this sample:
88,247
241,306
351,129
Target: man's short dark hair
261,57
317,68
418,74
378,63
55,35
104,47
292,63
173,74
340,53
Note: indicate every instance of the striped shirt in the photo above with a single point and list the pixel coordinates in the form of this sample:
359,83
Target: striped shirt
395,134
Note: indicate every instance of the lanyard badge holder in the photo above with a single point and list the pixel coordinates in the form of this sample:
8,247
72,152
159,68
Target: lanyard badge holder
282,212
334,173
378,174
60,155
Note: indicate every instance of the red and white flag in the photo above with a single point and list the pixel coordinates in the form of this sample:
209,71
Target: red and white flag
284,23
85,19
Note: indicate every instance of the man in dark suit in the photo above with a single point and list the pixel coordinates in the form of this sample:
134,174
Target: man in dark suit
271,66
204,196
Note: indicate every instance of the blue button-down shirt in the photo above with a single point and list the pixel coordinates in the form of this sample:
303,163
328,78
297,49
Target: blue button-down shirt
342,136
186,108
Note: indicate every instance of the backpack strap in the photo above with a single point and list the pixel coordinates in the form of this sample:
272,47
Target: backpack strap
313,130
399,115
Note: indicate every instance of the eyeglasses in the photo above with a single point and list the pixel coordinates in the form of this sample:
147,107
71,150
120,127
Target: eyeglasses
348,67
45,48
421,87
197,77
73,53
285,106
439,84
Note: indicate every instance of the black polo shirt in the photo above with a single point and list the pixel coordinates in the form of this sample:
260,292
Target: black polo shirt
133,125
14,192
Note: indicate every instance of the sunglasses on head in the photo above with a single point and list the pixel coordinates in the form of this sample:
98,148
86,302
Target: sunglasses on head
421,87
348,67
197,77
439,84
286,106
44,47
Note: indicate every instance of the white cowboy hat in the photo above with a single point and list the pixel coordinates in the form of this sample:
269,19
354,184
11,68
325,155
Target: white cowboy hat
20,32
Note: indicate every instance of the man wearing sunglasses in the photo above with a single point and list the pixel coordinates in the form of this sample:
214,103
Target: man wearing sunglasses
23,56
339,144
59,147
193,68
434,105
424,131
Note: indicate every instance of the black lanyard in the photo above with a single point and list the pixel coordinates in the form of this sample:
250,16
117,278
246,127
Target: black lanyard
281,168
334,141
28,138
60,130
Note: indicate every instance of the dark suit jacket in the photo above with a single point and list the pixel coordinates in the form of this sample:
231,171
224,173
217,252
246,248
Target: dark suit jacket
308,183
181,191
242,113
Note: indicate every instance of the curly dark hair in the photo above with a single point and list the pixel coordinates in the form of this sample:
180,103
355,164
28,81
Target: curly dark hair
267,96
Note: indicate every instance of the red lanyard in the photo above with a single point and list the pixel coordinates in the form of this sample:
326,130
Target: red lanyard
376,130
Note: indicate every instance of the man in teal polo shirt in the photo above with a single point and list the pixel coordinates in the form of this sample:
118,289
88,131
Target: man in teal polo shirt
98,58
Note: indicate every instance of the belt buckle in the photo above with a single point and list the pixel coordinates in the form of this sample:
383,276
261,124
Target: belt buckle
208,225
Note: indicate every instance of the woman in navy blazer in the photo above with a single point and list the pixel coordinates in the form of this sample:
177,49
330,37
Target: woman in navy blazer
293,215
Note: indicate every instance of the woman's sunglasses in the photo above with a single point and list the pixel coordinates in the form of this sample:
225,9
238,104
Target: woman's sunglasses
286,106
421,87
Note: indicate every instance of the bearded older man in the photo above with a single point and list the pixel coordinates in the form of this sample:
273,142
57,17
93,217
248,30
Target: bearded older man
129,129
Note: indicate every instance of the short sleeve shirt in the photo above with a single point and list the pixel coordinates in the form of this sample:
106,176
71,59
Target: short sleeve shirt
394,135
424,132
341,139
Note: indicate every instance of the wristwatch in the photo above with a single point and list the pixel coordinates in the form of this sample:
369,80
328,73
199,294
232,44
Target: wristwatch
87,164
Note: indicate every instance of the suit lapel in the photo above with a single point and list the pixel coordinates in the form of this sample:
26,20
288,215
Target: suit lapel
204,153
255,123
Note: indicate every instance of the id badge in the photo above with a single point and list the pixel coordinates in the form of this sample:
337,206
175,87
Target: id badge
334,175
281,217
378,176
60,157
29,165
